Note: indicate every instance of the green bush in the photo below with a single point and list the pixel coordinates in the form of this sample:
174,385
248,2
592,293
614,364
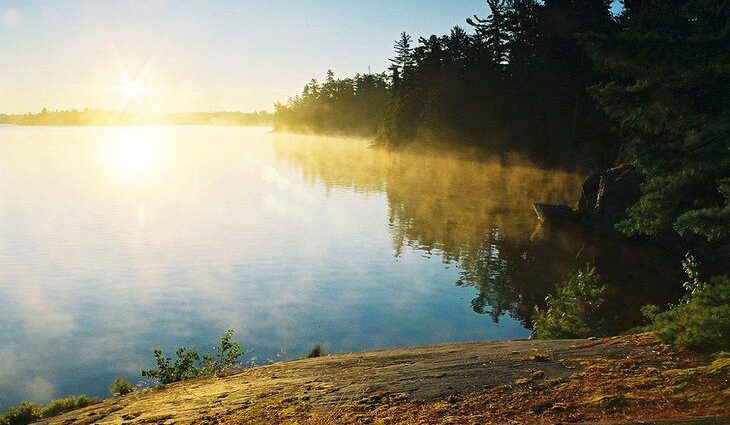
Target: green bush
225,357
23,414
574,311
28,412
63,405
700,321
316,351
121,386
185,367
190,365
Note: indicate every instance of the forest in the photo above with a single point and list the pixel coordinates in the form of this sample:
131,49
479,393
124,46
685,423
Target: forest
563,83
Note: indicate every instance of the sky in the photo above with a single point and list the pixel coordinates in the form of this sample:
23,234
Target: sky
233,55
198,56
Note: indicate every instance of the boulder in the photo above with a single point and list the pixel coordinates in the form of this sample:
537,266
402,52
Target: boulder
607,196
604,201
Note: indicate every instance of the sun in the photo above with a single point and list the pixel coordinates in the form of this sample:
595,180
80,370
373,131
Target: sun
133,91
133,87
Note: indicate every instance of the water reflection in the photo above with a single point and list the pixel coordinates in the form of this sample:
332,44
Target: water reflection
478,216
116,240
113,242
134,154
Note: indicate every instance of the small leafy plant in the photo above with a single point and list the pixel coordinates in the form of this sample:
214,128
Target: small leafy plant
185,367
574,311
22,414
63,405
701,320
121,386
316,351
692,269
225,357
189,364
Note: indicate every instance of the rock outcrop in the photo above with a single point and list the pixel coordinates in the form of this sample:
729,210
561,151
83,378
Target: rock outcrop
480,382
604,201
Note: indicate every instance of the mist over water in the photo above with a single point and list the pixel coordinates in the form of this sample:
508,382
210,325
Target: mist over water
116,240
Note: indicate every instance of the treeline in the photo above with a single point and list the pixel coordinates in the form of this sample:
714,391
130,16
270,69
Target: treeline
517,81
348,106
101,117
565,82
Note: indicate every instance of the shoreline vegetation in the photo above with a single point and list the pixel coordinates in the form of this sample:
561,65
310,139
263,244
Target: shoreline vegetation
569,83
93,117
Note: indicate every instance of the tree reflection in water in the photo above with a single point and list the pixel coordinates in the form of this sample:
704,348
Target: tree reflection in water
477,214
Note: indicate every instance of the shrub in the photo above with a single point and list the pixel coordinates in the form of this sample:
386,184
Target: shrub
573,311
121,386
316,351
189,364
28,412
700,321
63,405
23,414
185,367
225,357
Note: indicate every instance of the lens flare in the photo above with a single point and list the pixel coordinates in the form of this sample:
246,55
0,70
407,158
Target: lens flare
133,91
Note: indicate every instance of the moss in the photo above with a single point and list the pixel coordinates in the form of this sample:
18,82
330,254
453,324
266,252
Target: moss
612,400
720,366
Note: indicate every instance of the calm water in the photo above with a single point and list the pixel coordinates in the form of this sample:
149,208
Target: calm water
114,241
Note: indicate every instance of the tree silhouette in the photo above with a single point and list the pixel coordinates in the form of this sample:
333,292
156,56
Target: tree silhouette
492,31
402,63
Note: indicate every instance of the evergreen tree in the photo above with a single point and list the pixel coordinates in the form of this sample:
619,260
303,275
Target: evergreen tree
517,83
492,31
668,88
403,60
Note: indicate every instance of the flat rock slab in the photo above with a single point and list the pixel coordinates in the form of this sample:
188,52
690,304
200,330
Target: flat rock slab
422,374
694,421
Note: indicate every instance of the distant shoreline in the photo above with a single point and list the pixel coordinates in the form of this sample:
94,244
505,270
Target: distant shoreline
150,124
89,117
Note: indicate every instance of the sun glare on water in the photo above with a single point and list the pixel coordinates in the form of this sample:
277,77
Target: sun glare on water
133,155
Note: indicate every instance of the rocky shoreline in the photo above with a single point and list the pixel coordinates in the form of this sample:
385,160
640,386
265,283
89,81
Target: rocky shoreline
605,200
630,378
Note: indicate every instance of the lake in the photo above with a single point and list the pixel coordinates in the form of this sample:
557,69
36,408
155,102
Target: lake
117,240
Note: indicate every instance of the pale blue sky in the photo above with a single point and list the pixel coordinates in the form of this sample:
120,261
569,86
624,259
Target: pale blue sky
222,55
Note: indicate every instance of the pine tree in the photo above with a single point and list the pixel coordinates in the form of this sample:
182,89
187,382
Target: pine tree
403,60
492,30
669,91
